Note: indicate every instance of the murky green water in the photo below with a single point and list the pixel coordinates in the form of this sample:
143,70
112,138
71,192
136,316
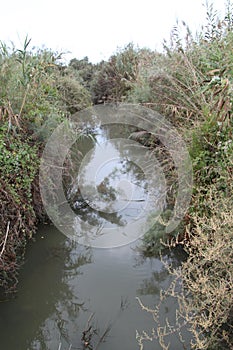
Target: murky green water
62,284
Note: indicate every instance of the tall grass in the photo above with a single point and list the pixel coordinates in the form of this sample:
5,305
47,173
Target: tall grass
192,84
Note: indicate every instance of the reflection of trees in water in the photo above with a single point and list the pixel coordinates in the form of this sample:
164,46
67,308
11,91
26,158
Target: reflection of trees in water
47,304
85,143
75,258
136,174
152,285
74,159
64,326
106,190
98,218
162,278
65,306
118,130
168,288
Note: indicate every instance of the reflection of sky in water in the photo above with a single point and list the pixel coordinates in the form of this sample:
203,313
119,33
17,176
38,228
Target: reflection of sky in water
117,189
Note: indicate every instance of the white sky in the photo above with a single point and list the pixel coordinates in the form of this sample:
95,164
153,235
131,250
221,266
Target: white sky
95,28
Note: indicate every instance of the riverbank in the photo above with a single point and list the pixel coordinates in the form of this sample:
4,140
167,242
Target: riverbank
33,100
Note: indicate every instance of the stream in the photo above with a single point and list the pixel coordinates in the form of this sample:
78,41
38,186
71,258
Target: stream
66,287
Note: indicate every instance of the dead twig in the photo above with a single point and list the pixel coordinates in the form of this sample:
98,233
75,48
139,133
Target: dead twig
4,243
88,333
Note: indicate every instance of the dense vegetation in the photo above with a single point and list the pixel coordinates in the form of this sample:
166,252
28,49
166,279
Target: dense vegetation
191,83
36,94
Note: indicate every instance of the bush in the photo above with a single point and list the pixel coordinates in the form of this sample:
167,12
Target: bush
112,80
74,96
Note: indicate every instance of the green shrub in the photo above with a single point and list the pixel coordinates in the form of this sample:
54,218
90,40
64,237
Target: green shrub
73,95
113,80
19,165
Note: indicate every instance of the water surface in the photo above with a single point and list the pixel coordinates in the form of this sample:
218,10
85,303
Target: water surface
63,284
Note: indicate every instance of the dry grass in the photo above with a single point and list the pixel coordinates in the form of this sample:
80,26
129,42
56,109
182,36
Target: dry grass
206,296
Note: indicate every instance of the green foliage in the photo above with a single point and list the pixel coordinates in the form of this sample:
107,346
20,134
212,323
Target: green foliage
113,79
211,150
36,89
156,239
74,96
26,78
18,163
83,70
35,97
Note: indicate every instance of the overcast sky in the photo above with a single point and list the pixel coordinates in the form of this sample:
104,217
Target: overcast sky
96,28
